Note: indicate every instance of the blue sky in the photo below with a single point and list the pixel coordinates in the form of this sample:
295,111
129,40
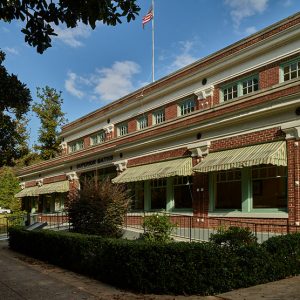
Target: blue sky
95,67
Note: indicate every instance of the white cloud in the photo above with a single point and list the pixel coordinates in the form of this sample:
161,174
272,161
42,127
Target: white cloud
287,3
71,83
73,36
185,57
115,82
105,84
10,50
241,9
250,30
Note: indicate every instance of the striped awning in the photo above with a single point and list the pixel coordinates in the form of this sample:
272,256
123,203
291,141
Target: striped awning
175,167
271,153
28,192
55,187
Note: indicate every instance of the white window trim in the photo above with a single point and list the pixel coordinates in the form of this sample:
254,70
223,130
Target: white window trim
120,131
154,115
140,120
183,103
281,69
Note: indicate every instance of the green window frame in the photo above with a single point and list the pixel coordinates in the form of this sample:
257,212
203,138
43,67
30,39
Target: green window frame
159,117
98,138
76,146
240,88
122,129
187,106
252,181
290,70
142,122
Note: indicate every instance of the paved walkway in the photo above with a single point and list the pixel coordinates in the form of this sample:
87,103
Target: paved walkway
22,277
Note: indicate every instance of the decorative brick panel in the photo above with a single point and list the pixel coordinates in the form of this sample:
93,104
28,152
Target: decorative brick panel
171,111
269,77
87,141
132,125
158,157
261,136
54,179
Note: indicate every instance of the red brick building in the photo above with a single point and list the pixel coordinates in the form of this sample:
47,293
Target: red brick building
218,138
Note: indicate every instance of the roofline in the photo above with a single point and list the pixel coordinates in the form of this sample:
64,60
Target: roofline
227,51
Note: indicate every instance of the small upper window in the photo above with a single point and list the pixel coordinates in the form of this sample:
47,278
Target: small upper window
122,129
291,70
98,138
250,85
187,106
142,122
76,146
158,117
240,88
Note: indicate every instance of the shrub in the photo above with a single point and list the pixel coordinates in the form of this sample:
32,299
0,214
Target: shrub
158,228
233,237
98,209
164,268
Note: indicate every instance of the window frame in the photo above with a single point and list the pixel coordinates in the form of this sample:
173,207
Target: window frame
239,87
122,129
289,63
247,197
184,108
155,115
140,121
100,138
79,145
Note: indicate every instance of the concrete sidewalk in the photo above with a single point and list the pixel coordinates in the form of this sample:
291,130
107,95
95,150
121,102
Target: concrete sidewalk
26,278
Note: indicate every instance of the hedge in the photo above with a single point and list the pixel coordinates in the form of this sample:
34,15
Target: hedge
163,268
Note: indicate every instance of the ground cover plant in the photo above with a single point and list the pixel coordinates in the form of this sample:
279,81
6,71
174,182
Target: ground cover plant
164,268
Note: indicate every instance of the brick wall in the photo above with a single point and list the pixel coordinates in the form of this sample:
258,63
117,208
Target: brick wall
269,77
132,125
261,136
54,179
171,111
158,157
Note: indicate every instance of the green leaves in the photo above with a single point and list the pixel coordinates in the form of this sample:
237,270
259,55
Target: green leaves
40,15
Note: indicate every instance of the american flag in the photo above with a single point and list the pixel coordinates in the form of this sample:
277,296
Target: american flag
148,17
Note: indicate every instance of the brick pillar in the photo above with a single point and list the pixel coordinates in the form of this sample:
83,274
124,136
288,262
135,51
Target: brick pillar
297,181
291,180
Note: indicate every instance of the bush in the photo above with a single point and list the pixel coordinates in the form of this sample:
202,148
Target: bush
233,237
98,209
158,228
164,268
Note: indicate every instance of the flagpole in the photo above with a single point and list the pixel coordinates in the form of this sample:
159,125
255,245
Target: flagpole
153,41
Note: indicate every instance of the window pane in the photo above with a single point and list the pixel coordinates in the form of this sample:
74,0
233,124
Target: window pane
270,193
182,196
229,195
158,198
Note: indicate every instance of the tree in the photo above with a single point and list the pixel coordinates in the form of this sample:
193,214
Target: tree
9,186
98,208
52,118
40,16
15,101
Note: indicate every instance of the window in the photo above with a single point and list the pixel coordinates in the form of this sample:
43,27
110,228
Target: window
269,187
240,88
186,107
137,195
291,70
182,192
122,129
158,194
230,92
142,122
158,117
98,138
76,146
228,190
250,189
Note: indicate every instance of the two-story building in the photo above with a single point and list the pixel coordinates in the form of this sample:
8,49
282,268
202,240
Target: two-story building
217,138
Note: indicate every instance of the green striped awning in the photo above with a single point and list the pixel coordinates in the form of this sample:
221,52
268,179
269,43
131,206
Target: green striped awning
271,153
175,167
55,187
28,192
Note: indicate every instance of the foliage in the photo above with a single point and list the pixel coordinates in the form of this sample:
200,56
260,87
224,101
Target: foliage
14,104
51,117
41,16
165,268
99,208
9,186
233,237
158,228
